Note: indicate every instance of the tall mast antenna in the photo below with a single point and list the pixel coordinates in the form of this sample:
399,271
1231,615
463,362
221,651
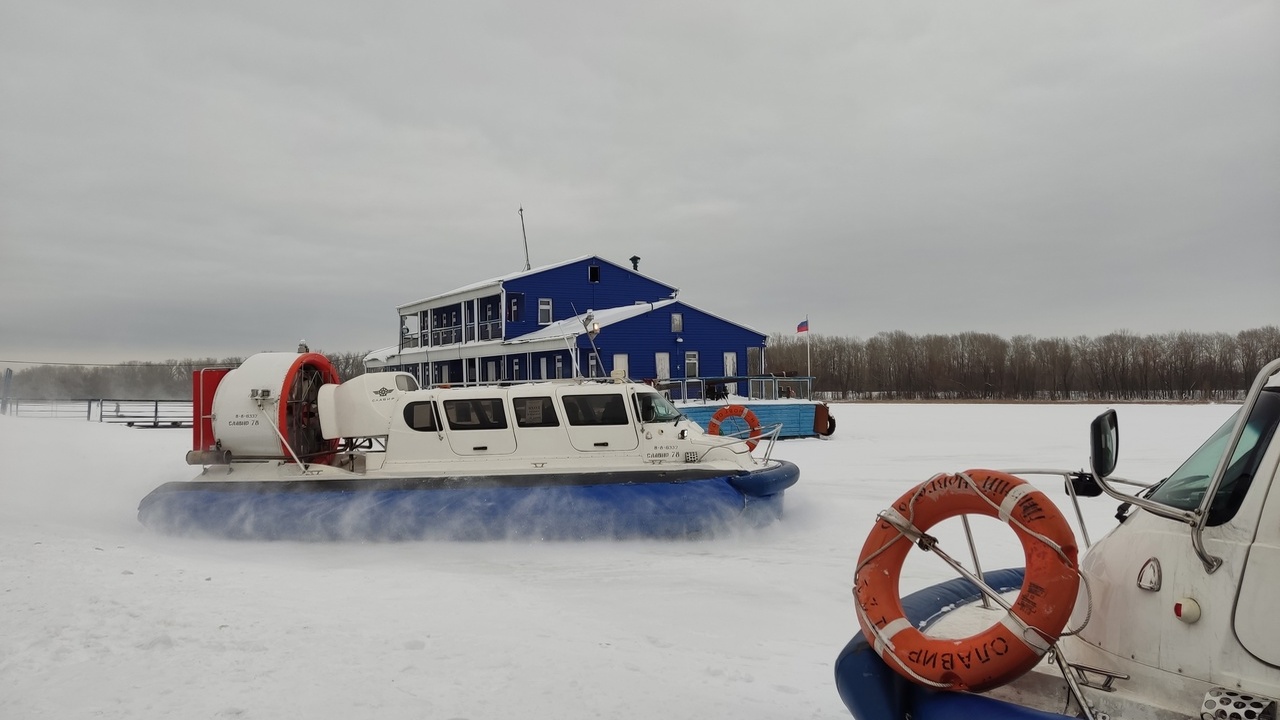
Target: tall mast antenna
527,266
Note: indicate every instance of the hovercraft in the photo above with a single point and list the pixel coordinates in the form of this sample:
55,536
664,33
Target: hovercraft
288,451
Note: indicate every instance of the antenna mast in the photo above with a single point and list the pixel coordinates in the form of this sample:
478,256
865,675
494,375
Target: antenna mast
527,266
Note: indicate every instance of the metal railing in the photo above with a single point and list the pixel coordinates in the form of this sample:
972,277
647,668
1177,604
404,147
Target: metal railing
759,387
51,409
146,413
131,412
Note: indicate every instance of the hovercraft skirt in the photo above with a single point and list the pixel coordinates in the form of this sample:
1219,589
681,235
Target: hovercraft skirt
445,508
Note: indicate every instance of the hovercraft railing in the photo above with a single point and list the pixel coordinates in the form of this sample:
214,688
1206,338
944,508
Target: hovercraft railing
928,543
764,434
1070,671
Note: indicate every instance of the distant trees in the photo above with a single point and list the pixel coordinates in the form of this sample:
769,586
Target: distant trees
168,380
891,366
982,366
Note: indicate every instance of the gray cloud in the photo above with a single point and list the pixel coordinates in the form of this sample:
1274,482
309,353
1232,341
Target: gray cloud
186,181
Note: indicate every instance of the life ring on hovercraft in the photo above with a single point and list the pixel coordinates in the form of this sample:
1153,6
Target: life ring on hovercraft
1010,647
737,411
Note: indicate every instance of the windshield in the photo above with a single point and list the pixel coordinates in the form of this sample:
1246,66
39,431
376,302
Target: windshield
652,407
1185,488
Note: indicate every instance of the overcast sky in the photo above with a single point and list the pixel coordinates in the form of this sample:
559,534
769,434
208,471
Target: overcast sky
195,179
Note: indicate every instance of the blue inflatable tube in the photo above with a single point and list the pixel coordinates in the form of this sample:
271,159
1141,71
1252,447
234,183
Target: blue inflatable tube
873,691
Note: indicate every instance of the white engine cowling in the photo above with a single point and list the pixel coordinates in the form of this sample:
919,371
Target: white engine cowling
272,395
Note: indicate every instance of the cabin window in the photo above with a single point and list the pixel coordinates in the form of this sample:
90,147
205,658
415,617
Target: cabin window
677,322
608,409
475,414
652,407
691,364
593,273
544,311
420,416
406,383
1185,488
535,412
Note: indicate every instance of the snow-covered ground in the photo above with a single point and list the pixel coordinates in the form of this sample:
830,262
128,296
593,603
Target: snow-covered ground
101,618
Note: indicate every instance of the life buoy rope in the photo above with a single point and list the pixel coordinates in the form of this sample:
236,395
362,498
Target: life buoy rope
737,411
1033,622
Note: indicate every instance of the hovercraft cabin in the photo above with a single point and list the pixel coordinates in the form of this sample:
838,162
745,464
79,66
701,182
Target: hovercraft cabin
583,317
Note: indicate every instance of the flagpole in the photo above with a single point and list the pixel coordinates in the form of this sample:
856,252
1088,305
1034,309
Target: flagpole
808,356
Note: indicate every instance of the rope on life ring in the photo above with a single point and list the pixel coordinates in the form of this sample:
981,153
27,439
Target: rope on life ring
1008,648
737,411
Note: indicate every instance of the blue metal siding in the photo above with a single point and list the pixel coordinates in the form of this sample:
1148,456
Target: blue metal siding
796,418
569,288
643,336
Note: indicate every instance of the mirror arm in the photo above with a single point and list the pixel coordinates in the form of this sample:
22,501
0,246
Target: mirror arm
1190,517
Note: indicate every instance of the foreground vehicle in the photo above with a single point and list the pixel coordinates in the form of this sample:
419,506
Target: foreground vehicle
1171,617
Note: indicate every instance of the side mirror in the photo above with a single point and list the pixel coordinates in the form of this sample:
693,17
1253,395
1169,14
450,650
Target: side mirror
1104,443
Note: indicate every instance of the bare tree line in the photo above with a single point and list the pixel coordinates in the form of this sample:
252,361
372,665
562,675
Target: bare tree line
890,366
982,366
166,380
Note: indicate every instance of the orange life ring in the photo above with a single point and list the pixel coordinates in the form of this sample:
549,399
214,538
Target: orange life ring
1008,648
738,411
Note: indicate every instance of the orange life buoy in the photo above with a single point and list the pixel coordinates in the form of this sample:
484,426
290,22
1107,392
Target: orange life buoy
1008,648
737,411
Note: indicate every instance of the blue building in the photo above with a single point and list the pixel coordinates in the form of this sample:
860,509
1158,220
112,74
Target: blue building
543,323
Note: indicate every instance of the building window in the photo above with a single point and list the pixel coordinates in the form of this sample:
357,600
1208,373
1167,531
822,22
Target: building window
677,322
592,369
544,311
593,273
559,367
691,364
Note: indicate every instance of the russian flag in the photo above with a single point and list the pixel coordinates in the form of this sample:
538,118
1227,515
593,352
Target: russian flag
803,326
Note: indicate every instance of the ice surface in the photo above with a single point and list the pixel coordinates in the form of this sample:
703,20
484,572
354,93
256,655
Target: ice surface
101,618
